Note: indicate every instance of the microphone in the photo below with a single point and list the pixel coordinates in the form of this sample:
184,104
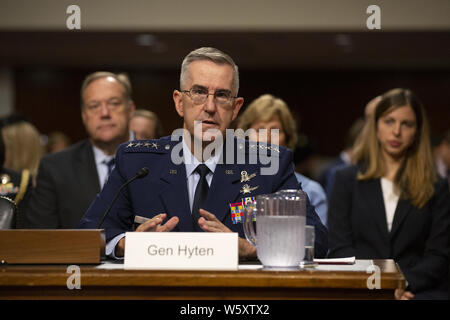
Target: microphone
140,174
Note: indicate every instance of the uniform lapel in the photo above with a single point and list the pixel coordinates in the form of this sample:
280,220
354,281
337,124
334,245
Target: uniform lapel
224,190
175,195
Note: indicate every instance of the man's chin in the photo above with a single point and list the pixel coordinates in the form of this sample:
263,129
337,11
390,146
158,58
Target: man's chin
107,138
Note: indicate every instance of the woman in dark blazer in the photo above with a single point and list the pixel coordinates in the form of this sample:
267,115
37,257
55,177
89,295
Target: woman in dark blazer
391,205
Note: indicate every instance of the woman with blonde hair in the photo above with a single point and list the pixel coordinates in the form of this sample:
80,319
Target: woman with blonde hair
273,115
390,203
23,148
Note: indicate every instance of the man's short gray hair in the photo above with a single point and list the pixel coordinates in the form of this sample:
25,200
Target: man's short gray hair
211,54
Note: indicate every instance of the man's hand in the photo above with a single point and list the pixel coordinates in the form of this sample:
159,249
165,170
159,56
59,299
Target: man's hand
401,294
152,225
209,223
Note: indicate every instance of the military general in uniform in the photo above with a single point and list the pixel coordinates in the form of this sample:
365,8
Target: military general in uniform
190,190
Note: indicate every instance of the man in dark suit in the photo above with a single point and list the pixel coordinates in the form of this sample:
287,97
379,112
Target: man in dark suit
187,182
68,181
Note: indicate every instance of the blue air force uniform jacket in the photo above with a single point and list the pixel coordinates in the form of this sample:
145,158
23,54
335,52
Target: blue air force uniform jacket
164,189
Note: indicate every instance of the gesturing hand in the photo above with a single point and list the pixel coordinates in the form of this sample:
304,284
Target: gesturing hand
152,225
209,223
155,224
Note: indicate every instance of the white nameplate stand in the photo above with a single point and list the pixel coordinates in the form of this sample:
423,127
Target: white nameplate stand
181,251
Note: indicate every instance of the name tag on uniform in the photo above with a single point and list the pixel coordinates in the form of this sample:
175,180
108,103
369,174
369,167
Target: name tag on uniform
181,251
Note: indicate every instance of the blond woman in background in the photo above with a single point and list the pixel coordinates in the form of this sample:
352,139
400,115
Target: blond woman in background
23,148
268,112
391,204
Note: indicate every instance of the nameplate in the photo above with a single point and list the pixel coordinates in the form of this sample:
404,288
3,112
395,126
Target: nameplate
181,251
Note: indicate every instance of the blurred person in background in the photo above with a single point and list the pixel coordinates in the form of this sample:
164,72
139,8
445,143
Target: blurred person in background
145,125
15,186
268,112
57,141
306,160
326,178
69,180
391,203
23,147
441,154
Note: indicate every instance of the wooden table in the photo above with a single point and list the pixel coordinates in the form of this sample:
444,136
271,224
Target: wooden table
50,282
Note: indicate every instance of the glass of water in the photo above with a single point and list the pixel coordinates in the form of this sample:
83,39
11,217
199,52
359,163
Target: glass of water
308,259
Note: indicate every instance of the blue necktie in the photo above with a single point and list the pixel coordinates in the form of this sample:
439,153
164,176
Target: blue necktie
110,165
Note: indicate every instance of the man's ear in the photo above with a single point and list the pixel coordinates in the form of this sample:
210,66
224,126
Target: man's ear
237,106
83,116
131,108
178,100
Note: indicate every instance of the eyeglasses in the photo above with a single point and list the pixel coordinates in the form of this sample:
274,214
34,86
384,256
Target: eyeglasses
200,94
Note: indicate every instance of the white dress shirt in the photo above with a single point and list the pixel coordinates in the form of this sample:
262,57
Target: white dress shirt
191,163
102,168
390,197
100,161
